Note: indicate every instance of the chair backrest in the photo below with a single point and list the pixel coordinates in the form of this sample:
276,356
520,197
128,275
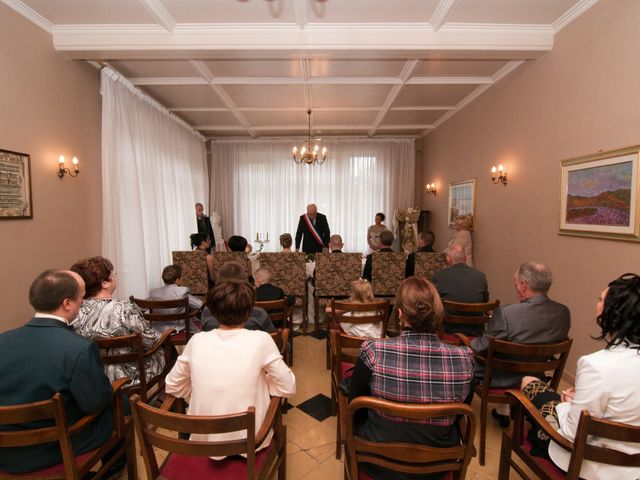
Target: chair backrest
411,457
374,312
427,264
468,313
288,271
334,273
346,349
387,272
279,312
154,310
194,270
526,359
281,338
220,258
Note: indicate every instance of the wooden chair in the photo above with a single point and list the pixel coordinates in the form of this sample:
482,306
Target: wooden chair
427,264
194,270
516,443
465,314
409,457
289,272
281,315
190,459
387,272
129,349
281,338
155,311
349,312
519,358
345,352
333,275
73,467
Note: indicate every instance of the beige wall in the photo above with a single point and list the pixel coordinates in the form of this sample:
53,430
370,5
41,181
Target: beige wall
48,106
578,99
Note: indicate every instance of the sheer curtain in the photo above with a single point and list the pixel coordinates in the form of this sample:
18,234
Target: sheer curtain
153,172
257,187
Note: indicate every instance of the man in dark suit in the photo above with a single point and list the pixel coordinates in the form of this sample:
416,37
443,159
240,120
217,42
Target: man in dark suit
46,356
204,226
314,228
425,245
536,319
461,283
386,240
335,244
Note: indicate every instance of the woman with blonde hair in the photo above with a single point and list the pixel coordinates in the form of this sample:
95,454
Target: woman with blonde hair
361,292
462,237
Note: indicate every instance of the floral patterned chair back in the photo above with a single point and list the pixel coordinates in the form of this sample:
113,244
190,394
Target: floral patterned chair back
288,271
387,271
194,270
220,258
335,272
429,263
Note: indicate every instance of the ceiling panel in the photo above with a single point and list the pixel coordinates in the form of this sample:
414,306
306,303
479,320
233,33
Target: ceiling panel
266,95
297,134
462,68
509,11
355,68
209,118
371,11
401,131
73,12
154,68
432,95
185,96
412,117
343,131
255,68
340,117
225,133
230,11
275,118
349,95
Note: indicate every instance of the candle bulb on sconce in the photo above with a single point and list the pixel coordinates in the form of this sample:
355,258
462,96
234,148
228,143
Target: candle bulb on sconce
62,170
430,188
501,176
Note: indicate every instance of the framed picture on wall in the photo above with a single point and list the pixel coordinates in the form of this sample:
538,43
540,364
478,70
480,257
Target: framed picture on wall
15,186
599,195
462,200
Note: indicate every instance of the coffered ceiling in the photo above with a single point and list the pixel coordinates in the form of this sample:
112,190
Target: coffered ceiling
252,68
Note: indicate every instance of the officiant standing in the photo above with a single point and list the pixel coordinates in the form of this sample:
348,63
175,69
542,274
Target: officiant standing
204,226
315,229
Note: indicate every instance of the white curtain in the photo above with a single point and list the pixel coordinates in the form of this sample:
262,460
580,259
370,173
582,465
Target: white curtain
257,187
153,172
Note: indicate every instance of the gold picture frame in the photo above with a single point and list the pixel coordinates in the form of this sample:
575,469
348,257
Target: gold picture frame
462,200
599,195
15,186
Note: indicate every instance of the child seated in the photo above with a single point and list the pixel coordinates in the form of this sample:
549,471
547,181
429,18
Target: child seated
361,292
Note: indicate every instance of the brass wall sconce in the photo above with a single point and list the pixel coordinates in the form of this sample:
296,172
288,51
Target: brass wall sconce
501,176
430,188
62,170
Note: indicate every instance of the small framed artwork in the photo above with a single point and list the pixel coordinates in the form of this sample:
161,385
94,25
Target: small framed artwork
462,200
599,195
15,186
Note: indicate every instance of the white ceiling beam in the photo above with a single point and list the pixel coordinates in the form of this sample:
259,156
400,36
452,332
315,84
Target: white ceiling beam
449,81
199,109
441,13
301,13
30,14
421,108
168,81
570,15
160,14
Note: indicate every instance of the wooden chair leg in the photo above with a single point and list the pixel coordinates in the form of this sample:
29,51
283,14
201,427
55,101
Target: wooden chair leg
130,453
505,457
483,429
282,469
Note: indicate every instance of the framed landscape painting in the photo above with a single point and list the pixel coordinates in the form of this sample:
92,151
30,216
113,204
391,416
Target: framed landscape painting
599,195
462,200
15,186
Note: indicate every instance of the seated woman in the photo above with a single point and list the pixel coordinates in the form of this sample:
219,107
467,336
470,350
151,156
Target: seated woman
101,316
286,241
604,384
201,241
230,368
361,292
415,367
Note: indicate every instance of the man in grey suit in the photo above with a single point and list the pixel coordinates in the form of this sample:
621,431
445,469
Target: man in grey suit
461,283
535,320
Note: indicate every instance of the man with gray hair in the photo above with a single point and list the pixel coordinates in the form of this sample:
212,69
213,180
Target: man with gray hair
313,226
335,244
535,320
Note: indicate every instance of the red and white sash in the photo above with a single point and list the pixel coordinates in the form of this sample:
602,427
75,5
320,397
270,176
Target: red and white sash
313,230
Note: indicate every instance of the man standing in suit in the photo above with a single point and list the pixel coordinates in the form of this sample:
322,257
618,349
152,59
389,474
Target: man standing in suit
204,226
315,229
46,356
461,283
535,320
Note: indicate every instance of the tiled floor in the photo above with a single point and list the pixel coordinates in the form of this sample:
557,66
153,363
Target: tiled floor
311,443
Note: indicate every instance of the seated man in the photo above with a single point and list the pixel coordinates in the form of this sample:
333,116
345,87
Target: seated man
536,319
45,357
172,289
386,240
425,245
258,318
335,244
461,283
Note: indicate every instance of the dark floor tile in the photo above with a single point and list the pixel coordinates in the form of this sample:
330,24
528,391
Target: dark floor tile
319,334
318,407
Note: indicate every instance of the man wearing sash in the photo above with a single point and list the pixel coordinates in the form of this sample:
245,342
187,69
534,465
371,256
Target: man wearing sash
315,229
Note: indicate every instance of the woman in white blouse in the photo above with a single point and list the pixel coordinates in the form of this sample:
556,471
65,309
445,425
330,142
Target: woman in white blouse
229,369
606,382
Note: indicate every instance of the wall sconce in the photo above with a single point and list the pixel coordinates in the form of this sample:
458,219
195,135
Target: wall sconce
501,177
62,170
430,188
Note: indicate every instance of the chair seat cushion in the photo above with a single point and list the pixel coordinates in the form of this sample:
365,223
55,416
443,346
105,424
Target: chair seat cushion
547,465
186,467
346,369
53,470
179,337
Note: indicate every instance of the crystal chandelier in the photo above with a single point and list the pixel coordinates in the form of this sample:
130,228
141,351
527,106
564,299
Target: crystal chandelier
308,155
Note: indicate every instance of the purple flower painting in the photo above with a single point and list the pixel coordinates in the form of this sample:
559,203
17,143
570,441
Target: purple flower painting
600,195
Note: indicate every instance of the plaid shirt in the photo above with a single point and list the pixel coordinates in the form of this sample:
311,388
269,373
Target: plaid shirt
418,368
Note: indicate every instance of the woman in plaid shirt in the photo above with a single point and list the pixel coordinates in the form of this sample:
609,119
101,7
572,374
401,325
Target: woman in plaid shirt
415,367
